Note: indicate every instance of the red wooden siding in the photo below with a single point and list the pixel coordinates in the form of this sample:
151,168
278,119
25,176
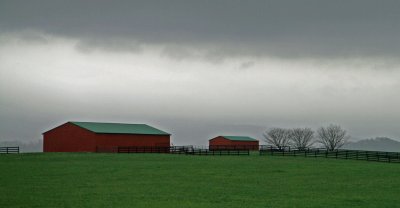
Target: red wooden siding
223,143
106,142
71,138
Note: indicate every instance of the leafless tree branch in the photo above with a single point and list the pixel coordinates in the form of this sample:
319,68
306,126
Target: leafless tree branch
332,137
277,137
301,138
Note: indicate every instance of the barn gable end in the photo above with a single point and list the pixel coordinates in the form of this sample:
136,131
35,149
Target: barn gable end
68,138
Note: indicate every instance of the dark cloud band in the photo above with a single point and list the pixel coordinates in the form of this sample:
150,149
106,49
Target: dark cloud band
283,28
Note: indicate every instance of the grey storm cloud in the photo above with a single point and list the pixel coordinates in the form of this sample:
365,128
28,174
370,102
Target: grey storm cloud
295,28
199,69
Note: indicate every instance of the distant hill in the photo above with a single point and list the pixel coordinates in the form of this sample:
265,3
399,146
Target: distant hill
377,144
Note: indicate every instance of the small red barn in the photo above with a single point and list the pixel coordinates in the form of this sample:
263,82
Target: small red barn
92,137
233,142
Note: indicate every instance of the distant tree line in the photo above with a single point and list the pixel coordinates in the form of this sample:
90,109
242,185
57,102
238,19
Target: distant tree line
330,137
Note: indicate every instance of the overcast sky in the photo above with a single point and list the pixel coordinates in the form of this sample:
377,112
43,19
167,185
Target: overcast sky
199,69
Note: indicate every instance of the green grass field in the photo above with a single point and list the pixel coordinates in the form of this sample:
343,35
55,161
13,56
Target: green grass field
166,180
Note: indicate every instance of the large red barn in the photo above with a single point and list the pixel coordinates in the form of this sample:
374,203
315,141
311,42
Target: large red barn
93,137
233,142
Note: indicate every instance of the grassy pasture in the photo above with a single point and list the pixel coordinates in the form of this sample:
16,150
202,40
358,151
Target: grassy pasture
166,180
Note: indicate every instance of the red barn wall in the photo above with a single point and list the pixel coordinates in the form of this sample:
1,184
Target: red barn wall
69,138
222,143
108,142
252,145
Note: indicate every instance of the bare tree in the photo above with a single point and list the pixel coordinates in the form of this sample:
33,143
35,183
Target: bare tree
332,137
301,138
277,137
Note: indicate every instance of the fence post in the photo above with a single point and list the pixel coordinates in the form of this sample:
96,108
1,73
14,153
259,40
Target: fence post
387,157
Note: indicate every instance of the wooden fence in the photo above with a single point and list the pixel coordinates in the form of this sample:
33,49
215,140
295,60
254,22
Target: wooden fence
191,150
219,152
187,150
181,149
391,157
143,149
9,150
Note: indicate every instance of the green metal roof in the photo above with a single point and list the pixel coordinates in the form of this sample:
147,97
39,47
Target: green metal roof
239,138
119,128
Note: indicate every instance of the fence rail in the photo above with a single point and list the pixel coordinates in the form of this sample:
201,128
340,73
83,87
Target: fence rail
391,157
187,150
182,149
149,149
191,150
219,152
9,150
